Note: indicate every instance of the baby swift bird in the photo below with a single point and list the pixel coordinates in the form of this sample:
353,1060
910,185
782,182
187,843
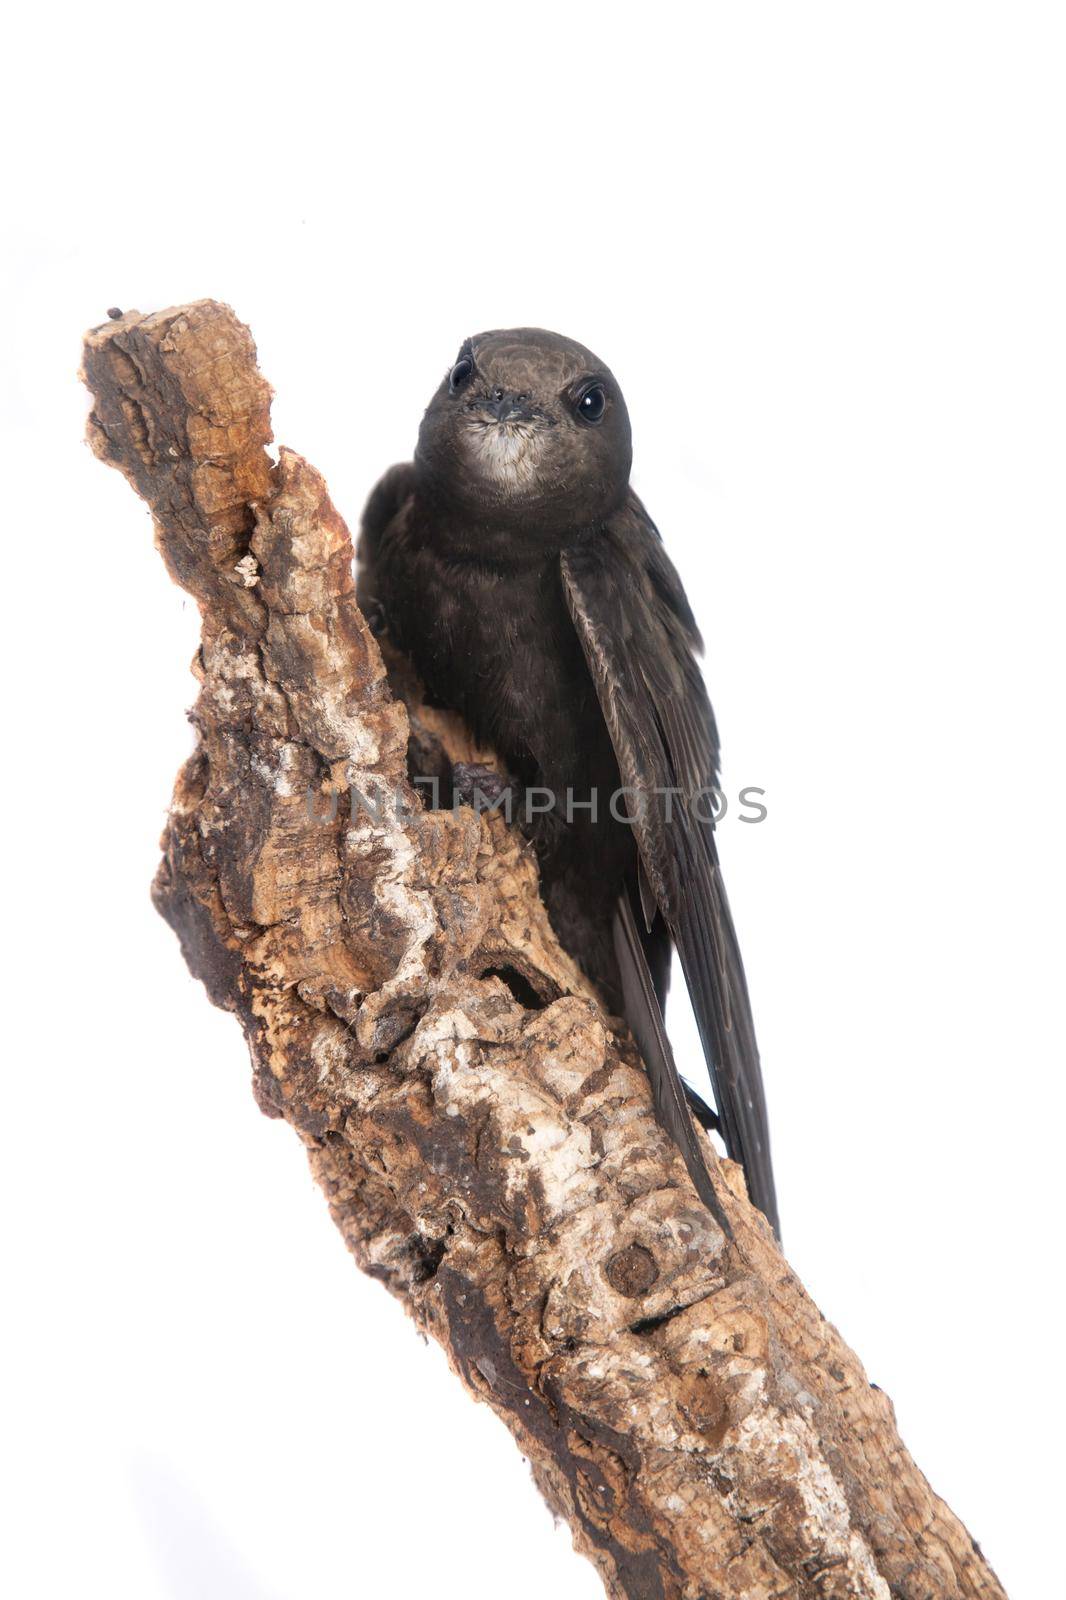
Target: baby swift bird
513,563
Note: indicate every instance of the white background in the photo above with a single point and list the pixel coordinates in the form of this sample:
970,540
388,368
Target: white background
823,248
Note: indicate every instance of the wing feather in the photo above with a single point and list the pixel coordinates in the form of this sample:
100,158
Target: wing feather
639,641
646,1021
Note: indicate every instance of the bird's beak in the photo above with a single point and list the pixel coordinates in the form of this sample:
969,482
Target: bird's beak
510,408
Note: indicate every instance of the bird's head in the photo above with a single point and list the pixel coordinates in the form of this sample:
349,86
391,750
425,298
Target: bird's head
528,429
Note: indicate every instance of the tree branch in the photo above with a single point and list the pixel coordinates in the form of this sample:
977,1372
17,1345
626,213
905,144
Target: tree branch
482,1130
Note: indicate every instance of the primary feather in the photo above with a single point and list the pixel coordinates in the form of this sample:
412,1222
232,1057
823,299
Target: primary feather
638,644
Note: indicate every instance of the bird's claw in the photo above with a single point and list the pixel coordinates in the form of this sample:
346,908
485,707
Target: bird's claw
374,614
479,786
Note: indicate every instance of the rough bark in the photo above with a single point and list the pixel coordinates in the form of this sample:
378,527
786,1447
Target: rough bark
482,1130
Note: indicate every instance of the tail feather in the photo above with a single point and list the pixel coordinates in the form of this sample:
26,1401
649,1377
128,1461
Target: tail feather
645,1019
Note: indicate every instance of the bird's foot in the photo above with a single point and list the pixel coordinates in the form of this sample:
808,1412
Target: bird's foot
481,787
374,613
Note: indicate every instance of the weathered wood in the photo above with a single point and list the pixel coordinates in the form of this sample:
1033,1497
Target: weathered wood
482,1130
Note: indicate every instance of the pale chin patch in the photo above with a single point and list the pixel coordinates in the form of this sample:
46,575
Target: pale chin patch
506,452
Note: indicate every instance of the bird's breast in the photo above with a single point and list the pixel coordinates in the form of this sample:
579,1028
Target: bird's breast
500,648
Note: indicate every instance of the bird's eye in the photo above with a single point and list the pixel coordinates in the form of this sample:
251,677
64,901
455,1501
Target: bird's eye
460,373
593,404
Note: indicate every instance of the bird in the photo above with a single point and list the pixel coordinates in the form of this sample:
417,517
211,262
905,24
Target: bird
512,562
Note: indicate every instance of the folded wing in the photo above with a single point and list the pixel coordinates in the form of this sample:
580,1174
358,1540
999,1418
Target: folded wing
639,640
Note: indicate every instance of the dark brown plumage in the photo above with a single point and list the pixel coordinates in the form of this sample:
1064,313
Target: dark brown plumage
514,564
